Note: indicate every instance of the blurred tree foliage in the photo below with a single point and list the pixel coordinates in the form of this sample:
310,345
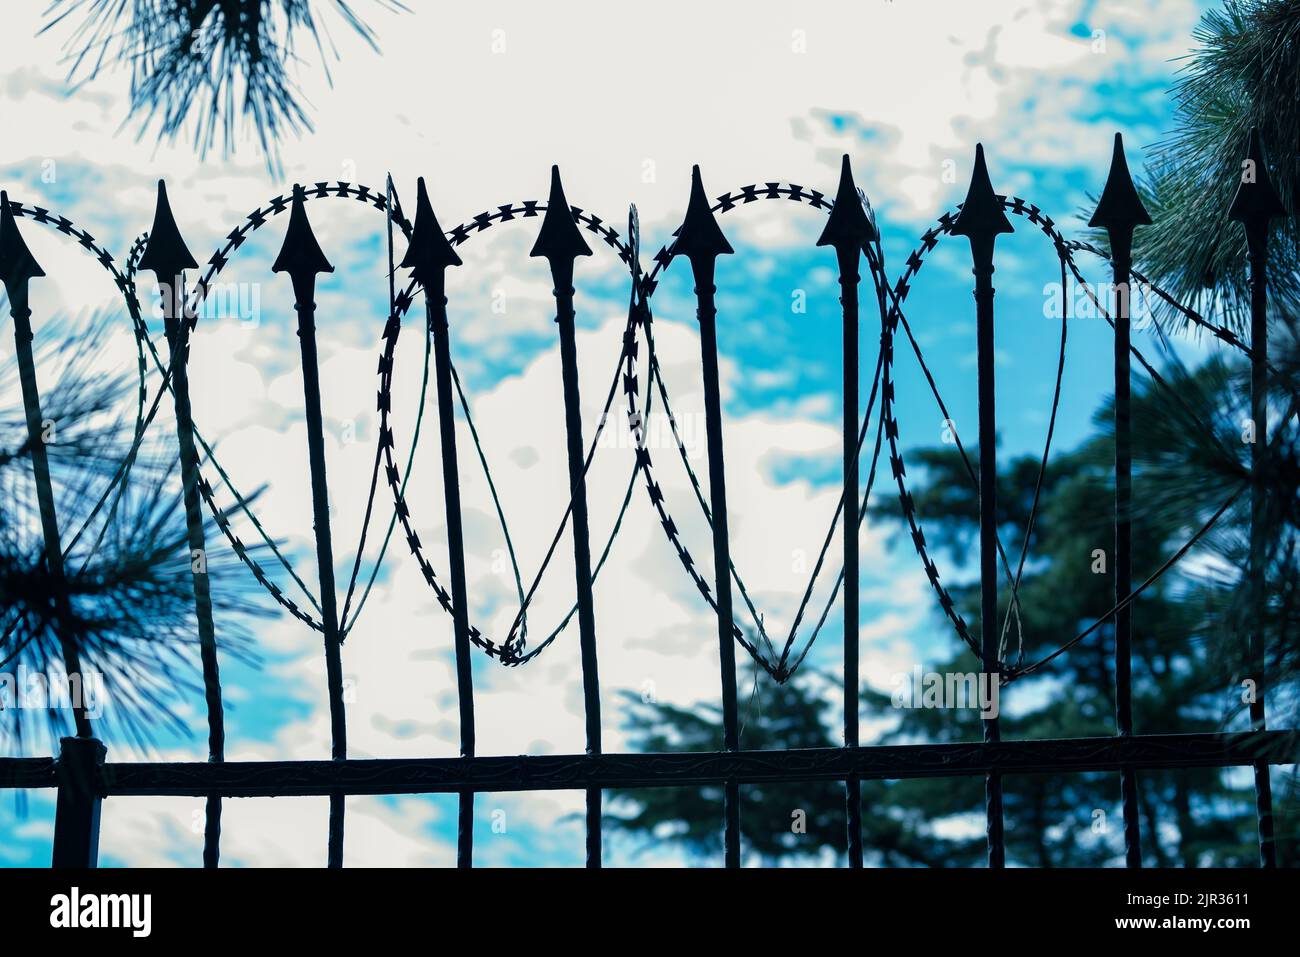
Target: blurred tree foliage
128,577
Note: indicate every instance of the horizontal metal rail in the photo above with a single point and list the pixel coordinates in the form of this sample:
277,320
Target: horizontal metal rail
581,771
28,773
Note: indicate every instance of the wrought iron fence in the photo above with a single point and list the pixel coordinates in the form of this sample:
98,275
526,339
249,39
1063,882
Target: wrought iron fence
83,777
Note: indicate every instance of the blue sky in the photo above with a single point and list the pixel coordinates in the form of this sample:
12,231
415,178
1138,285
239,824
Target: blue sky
906,89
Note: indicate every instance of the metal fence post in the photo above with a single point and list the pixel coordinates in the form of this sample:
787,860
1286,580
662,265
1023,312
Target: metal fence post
167,256
428,256
76,810
1255,203
1119,212
981,220
848,229
302,259
700,240
17,268
560,242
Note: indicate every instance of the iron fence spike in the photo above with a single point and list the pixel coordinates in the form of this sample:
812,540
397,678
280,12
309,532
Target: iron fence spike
699,235
17,264
301,257
1256,200
981,220
301,254
1119,212
560,242
17,267
982,217
165,254
848,223
559,237
429,251
429,255
701,241
849,228
1120,206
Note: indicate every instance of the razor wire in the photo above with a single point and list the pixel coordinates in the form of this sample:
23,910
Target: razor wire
513,649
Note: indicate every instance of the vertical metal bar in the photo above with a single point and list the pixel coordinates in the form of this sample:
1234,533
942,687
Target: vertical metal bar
1259,466
1120,211
982,219
1254,205
581,540
1124,554
306,309
701,241
560,242
436,306
847,229
17,268
167,256
707,314
178,343
302,258
23,335
848,260
429,255
76,812
988,472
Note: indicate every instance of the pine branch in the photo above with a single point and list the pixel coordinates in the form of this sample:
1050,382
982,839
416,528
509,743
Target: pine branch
1244,73
201,65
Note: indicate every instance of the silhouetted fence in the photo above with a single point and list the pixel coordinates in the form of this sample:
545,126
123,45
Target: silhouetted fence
83,777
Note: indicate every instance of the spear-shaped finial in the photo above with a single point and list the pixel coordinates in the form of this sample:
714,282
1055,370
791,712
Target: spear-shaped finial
1120,208
1120,204
700,236
166,254
559,237
429,253
17,264
429,247
849,223
1256,200
301,255
982,217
